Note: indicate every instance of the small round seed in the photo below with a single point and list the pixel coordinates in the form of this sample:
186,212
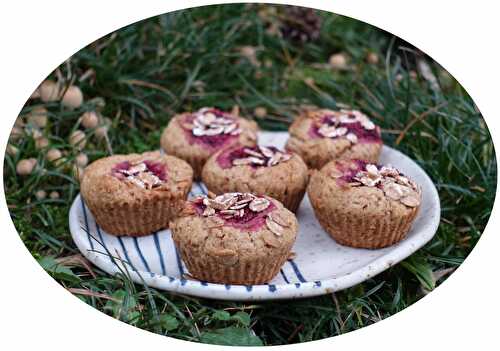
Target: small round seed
73,97
16,133
38,117
41,143
49,91
90,120
26,166
260,112
53,155
12,150
338,61
101,132
81,159
77,139
41,194
372,58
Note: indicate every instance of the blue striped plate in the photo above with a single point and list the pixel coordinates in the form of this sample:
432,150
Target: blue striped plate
320,266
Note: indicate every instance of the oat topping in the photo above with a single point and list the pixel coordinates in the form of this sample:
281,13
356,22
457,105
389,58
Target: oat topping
394,184
261,156
345,124
145,174
232,205
212,122
241,206
274,227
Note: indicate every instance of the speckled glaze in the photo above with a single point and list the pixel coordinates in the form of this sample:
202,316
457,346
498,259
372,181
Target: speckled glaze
321,266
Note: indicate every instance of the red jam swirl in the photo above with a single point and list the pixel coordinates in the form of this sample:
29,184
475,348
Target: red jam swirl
226,158
147,174
211,141
364,135
251,221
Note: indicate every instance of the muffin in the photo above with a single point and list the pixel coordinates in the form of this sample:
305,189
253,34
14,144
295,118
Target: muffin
234,238
136,194
259,170
320,136
194,137
362,204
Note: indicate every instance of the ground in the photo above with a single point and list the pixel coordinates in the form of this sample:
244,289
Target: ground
141,75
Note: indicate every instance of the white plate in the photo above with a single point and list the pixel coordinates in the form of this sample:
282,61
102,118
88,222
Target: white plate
321,265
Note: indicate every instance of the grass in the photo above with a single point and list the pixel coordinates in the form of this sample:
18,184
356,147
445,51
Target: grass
142,74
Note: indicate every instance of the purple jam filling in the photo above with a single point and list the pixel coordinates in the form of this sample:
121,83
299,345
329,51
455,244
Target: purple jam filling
212,141
157,168
225,159
251,220
364,135
350,172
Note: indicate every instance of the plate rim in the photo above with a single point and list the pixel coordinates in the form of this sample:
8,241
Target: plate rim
266,291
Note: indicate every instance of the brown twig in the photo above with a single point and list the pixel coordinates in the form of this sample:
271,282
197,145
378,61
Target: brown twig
295,331
418,119
194,322
77,260
337,309
86,292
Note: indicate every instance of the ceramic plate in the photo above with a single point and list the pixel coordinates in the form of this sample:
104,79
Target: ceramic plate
321,265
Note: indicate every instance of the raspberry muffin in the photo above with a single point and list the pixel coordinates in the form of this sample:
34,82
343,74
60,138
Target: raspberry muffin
136,194
194,137
259,170
362,204
234,238
319,136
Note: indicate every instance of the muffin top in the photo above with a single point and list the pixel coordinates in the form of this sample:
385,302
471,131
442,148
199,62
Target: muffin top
356,183
241,223
253,156
122,179
344,126
257,166
211,127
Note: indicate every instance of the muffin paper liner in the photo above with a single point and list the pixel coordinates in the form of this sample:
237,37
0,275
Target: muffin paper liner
215,270
365,232
139,219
